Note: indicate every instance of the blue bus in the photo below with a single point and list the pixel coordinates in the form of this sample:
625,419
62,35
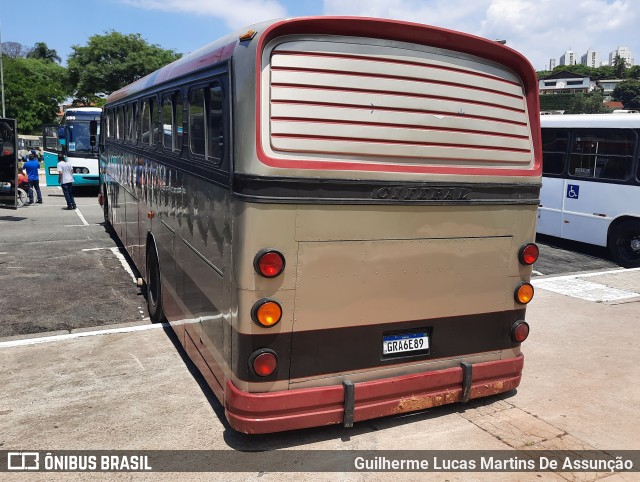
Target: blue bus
72,136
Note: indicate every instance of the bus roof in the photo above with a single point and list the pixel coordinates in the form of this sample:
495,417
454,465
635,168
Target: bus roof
611,121
226,47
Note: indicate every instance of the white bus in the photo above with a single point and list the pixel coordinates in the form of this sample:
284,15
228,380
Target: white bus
591,182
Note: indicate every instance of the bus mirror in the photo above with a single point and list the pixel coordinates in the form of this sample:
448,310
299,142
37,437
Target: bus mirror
93,129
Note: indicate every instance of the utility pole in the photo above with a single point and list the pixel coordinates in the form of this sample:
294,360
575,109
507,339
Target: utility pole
2,75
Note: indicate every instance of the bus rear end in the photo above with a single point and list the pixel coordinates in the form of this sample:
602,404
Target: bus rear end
385,229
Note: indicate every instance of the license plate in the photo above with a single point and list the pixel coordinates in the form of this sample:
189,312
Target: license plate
408,342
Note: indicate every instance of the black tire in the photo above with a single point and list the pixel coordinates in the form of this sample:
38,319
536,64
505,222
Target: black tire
105,205
154,287
624,243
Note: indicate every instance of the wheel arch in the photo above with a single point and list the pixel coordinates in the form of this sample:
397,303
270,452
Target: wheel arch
614,224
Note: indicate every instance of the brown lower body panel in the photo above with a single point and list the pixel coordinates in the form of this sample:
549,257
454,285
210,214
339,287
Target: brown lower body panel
311,407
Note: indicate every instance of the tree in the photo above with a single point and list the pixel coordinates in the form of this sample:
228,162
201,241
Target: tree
109,62
33,91
628,92
633,72
42,52
14,50
619,66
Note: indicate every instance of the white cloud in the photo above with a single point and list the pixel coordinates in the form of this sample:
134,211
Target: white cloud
235,14
539,29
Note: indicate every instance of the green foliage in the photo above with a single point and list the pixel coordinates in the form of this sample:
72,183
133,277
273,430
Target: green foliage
33,92
619,66
633,72
595,73
628,92
42,52
109,62
574,103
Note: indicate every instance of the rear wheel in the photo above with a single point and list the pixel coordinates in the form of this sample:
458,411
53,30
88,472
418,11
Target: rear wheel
624,243
154,287
105,204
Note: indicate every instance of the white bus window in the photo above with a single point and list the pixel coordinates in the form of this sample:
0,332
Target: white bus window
553,163
554,150
197,142
602,154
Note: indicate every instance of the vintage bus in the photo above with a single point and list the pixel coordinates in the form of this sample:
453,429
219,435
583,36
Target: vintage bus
72,136
335,215
591,182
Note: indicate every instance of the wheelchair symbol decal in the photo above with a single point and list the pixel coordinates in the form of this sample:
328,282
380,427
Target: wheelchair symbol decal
573,191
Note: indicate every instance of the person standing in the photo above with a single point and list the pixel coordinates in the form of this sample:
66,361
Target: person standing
32,166
65,178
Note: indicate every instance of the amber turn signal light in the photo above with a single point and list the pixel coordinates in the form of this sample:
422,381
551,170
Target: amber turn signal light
524,293
266,312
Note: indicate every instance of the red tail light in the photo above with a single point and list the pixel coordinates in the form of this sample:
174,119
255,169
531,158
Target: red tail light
263,362
528,254
269,263
520,331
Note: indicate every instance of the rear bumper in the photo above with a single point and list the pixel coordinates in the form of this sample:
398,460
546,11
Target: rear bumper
312,407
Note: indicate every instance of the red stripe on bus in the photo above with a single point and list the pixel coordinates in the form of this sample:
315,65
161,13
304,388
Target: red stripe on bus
393,61
396,77
404,143
312,407
402,94
396,126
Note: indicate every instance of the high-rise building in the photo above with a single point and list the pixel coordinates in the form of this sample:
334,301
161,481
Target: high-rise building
568,58
552,64
590,59
624,53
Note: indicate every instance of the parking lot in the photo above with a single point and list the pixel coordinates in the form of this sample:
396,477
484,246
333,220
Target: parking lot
101,377
62,270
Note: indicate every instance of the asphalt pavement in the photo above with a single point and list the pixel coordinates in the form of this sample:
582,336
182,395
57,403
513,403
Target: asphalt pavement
62,270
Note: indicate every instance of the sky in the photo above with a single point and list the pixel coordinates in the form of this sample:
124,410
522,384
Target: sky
539,29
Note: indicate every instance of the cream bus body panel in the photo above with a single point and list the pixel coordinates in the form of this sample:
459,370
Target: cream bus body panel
350,266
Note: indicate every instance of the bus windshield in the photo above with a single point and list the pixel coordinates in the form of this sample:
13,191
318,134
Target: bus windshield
79,137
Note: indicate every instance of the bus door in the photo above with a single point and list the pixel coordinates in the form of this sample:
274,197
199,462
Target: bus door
551,206
8,164
51,147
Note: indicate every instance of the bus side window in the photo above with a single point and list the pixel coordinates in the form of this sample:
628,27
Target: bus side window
608,152
155,121
553,163
554,150
167,121
120,123
145,119
216,124
197,141
177,125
